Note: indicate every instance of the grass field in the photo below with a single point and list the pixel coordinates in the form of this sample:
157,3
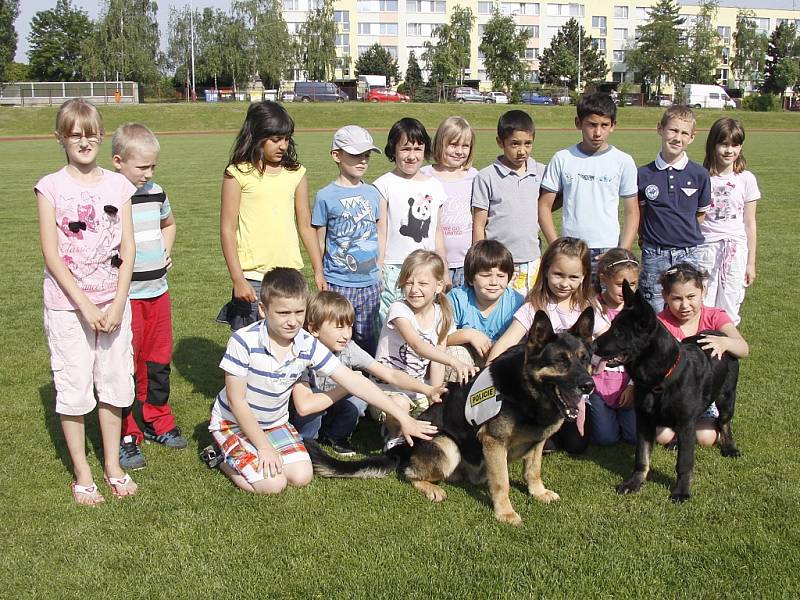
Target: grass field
189,534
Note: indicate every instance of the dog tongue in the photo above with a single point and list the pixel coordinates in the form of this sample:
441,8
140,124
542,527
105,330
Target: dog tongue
581,420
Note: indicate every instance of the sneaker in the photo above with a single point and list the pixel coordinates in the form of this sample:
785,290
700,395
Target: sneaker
170,439
130,455
212,456
342,447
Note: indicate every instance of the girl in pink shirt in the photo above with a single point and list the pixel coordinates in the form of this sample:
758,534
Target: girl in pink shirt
86,234
685,316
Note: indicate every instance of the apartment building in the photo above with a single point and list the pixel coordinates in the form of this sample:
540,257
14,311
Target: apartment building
402,26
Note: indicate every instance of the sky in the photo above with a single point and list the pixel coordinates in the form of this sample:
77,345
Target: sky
28,8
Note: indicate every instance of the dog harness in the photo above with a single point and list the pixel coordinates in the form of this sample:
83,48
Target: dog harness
483,401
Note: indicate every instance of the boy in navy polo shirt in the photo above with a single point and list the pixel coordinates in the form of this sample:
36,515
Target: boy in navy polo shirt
674,193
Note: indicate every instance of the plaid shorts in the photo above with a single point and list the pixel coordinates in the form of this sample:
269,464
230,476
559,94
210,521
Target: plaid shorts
241,455
366,301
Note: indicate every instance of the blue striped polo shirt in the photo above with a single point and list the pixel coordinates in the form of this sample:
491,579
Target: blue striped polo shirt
269,380
150,207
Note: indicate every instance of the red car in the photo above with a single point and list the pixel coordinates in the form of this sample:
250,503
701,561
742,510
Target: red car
384,95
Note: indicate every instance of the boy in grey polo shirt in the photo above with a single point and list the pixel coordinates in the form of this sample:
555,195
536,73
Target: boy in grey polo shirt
504,198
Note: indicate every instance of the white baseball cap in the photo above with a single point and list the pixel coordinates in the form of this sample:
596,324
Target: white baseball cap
353,140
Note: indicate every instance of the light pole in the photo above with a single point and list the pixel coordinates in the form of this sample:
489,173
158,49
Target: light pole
191,31
578,87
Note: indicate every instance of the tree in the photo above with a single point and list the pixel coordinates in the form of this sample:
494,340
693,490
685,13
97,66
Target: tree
318,43
781,62
658,55
9,11
413,80
179,44
222,38
55,43
377,61
750,47
704,47
502,44
268,45
448,58
18,72
560,59
125,43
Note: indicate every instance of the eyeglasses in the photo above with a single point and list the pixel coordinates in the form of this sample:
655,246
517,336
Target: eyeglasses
74,138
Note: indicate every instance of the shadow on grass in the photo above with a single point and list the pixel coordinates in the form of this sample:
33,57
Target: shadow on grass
47,395
197,360
619,460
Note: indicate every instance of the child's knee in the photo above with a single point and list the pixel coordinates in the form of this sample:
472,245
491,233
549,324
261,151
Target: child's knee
299,474
270,485
706,436
664,435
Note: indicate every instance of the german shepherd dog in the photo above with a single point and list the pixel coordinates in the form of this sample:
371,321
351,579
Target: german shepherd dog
539,382
674,383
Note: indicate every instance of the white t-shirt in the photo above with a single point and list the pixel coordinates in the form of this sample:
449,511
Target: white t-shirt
724,219
559,319
413,214
394,351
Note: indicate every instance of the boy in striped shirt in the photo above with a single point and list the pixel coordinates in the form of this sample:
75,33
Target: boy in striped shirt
250,418
135,153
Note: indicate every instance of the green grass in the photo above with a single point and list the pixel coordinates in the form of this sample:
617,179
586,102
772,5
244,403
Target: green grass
189,534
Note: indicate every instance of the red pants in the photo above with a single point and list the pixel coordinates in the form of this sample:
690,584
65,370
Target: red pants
152,353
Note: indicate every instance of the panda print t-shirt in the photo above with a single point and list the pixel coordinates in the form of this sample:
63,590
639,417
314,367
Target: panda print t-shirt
413,214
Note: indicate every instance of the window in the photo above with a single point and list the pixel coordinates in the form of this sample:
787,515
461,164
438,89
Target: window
618,56
762,25
641,12
420,29
291,4
530,54
620,34
342,17
362,49
722,76
599,44
482,74
481,30
533,30
392,50
726,55
294,28
600,23
376,6
342,39
377,28
565,10
724,33
425,6
520,8
485,8
620,12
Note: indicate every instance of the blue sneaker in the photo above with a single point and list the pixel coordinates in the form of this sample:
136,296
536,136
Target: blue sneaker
170,439
130,455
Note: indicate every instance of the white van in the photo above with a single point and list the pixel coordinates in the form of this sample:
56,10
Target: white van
698,95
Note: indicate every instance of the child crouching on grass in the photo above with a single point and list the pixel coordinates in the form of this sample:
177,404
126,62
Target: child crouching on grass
324,410
249,420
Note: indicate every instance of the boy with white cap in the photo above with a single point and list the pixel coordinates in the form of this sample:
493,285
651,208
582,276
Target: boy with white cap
345,216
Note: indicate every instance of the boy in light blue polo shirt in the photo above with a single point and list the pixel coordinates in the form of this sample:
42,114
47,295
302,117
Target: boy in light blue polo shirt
485,306
592,176
674,195
345,215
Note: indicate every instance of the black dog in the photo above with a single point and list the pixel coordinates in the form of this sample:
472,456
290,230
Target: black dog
674,383
538,384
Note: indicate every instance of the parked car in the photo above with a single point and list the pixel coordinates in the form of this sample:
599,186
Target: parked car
379,94
663,101
706,96
287,96
496,98
467,94
318,91
535,98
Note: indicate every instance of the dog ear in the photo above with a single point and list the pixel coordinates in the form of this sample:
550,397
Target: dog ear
541,332
628,295
584,326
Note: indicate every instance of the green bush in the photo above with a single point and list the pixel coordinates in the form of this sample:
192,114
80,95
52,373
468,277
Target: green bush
762,103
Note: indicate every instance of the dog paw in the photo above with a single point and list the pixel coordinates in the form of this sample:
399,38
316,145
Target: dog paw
547,496
679,497
512,518
629,487
730,451
436,495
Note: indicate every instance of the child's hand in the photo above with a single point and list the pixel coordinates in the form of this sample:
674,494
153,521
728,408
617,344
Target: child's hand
412,428
480,342
113,316
626,398
464,371
167,260
95,317
435,393
243,291
718,344
269,461
319,279
749,275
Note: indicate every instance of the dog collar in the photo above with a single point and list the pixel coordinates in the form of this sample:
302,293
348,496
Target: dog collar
660,387
483,402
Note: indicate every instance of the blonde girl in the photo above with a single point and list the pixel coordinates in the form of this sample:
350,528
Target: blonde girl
414,337
729,227
562,289
453,148
410,206
86,234
264,207
611,404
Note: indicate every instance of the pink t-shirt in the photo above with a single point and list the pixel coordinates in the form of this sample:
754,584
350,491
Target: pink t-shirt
456,214
559,319
724,219
87,251
710,318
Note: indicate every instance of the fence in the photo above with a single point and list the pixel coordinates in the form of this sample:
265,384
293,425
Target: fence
53,93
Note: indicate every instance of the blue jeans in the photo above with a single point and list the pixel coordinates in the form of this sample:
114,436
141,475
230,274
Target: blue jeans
338,422
457,276
594,253
656,260
610,425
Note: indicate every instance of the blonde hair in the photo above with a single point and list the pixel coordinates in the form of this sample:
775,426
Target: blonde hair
724,130
78,113
539,294
429,260
678,111
132,137
451,129
327,306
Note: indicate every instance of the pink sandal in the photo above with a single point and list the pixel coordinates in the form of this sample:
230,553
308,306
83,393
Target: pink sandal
89,492
120,486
